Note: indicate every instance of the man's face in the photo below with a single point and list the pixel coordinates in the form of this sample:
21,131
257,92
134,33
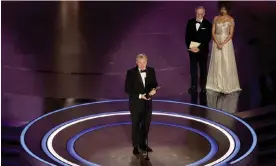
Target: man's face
141,63
200,13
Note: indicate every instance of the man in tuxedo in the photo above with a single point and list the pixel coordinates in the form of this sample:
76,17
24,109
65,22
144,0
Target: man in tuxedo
198,30
140,85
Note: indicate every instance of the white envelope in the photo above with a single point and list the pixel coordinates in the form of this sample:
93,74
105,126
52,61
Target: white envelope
194,44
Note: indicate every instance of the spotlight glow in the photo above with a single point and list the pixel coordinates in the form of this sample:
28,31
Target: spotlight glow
207,122
29,125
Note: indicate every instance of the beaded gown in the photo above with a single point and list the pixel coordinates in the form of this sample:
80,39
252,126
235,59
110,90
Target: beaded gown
222,75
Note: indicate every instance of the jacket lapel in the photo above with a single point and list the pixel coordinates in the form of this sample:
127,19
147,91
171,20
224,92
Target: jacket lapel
199,28
195,25
138,75
201,25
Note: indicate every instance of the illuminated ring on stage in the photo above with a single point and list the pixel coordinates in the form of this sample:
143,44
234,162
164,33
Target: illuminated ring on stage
23,143
210,155
47,146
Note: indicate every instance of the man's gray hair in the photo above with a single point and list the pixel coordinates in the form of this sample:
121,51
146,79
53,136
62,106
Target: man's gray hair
199,7
141,56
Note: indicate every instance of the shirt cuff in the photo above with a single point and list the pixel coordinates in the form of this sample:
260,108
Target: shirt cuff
140,96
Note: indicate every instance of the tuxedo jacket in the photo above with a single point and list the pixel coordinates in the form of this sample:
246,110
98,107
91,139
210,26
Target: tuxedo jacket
134,86
203,35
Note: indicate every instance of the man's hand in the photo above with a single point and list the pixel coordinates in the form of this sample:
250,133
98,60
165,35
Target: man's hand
152,92
144,97
194,49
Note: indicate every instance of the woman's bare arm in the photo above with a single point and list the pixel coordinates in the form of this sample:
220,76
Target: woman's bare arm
230,36
214,30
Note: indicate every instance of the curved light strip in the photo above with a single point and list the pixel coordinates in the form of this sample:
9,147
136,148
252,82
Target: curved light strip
53,154
210,155
22,136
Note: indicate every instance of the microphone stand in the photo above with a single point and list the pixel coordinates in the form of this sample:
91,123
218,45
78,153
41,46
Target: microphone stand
147,141
145,120
148,96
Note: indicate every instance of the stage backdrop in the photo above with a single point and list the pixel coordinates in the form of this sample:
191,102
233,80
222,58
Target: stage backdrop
82,49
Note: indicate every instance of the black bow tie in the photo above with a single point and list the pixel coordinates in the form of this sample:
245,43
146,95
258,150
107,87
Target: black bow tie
198,22
142,71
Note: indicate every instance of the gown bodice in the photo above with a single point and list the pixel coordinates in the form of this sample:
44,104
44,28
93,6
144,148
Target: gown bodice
223,28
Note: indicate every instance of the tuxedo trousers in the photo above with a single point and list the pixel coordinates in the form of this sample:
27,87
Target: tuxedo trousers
198,59
141,113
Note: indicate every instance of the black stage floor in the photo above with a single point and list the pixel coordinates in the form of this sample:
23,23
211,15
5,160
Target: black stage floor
98,133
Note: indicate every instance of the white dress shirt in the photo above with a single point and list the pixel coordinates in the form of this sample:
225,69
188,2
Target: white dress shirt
198,25
143,76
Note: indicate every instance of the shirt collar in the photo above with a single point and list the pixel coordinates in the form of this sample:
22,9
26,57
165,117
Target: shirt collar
200,20
140,69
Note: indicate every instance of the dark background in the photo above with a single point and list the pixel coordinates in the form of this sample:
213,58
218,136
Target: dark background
82,50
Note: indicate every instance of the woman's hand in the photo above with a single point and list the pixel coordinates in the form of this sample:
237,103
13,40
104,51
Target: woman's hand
220,45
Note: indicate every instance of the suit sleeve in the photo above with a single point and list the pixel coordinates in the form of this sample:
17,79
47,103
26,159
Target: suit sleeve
129,85
187,35
208,36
